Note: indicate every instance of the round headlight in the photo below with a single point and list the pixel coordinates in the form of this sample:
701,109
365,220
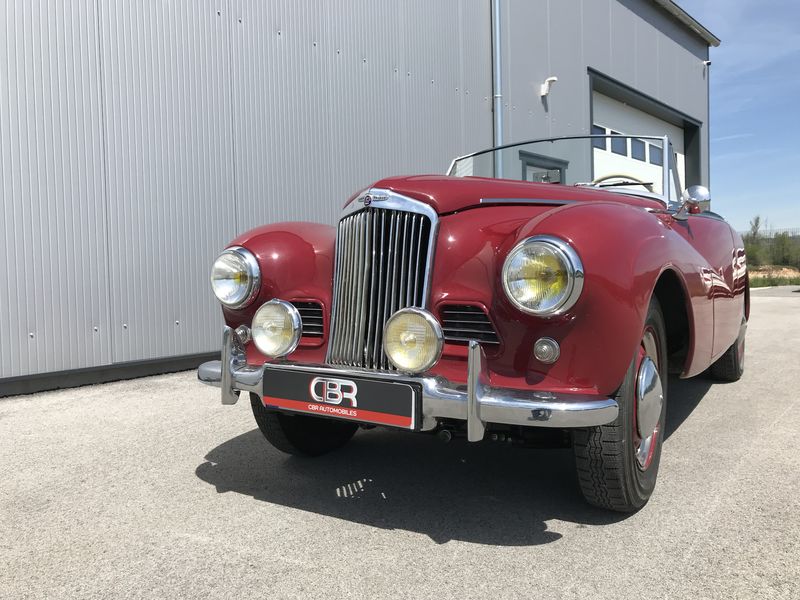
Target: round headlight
412,339
543,276
235,277
276,328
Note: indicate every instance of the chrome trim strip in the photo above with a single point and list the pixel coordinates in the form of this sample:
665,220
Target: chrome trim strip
440,397
542,201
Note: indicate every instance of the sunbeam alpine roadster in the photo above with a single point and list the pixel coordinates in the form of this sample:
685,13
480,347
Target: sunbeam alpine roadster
543,286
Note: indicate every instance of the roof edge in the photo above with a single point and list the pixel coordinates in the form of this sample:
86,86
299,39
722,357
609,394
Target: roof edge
689,21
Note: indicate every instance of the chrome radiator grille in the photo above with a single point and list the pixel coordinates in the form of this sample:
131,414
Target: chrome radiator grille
381,267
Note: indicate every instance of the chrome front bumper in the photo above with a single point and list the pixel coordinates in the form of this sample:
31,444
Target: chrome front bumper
477,403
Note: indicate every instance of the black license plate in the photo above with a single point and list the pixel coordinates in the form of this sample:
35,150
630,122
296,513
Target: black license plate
394,403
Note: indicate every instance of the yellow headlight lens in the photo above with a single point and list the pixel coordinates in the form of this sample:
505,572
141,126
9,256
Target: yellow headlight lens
412,339
540,276
276,328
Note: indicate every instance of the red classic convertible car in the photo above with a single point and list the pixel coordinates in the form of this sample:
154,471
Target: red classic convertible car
547,284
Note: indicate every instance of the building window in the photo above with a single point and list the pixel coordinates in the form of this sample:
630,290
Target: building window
638,149
656,155
601,143
541,168
619,145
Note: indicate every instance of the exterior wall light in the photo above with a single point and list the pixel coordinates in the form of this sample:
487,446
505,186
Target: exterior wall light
544,90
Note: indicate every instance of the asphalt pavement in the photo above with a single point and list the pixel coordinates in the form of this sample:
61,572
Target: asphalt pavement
151,489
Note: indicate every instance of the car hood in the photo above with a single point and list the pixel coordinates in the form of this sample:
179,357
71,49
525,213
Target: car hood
450,194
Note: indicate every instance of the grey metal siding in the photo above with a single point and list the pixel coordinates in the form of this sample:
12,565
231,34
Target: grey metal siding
341,94
139,138
171,198
54,304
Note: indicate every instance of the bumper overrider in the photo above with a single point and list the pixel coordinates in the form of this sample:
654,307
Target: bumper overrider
477,402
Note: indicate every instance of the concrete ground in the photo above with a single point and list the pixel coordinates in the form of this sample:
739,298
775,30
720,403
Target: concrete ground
152,489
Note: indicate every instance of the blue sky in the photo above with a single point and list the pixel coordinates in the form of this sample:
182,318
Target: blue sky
755,108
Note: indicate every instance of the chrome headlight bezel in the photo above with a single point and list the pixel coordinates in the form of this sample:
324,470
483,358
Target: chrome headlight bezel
297,327
252,271
573,267
438,336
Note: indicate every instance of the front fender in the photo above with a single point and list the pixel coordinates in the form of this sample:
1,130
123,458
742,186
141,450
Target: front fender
296,261
624,250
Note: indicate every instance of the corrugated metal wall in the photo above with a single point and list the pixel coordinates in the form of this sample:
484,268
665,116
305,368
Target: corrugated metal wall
170,166
136,139
54,292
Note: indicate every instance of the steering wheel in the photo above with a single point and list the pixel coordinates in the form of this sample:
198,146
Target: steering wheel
624,177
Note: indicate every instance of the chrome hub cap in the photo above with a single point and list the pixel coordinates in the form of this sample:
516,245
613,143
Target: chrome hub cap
649,401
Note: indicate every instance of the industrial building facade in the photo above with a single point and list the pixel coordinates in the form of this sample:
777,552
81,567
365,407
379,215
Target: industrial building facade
137,139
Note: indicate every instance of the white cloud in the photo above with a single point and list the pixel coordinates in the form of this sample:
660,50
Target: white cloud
734,136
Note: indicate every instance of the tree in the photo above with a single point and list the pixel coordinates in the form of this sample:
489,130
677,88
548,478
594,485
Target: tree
755,225
754,243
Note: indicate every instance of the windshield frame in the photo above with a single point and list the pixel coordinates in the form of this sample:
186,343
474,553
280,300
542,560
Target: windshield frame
667,168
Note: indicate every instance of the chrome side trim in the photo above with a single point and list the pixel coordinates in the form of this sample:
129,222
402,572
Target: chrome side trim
477,402
542,201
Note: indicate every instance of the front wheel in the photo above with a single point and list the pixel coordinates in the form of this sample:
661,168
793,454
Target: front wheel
617,463
298,434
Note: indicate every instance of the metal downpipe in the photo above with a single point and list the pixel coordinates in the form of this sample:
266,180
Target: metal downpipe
497,86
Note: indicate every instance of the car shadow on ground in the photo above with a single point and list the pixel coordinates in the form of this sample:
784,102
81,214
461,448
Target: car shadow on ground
684,396
487,493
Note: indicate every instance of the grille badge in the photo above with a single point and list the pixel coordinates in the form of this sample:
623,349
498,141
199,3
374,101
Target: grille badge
370,198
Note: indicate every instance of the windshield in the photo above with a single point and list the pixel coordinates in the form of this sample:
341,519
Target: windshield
623,163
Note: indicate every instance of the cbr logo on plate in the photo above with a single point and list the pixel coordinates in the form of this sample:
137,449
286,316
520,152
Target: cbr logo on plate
333,391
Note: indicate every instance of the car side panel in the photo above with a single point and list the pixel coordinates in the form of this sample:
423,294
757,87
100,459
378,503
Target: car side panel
713,238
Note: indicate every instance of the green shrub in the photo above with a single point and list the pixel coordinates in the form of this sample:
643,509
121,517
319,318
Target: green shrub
771,280
771,247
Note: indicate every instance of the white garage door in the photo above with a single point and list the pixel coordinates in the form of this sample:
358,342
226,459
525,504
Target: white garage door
640,158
